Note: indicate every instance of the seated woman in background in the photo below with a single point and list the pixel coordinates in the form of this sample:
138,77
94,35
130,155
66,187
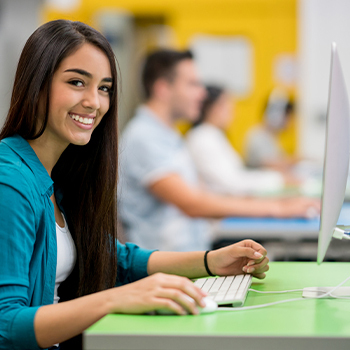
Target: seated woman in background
62,268
219,166
261,145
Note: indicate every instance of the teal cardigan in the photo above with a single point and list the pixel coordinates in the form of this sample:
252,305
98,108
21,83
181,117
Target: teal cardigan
28,248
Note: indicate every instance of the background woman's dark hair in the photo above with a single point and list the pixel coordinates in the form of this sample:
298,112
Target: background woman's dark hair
213,94
161,64
86,175
278,107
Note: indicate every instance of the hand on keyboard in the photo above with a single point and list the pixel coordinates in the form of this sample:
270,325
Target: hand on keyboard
246,256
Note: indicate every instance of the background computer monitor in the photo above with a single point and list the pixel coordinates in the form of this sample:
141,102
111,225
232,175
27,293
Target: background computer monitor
336,160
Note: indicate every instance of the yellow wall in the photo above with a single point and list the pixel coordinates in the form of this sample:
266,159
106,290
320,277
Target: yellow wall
270,25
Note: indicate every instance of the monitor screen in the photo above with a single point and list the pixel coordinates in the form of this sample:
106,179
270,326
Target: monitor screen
336,159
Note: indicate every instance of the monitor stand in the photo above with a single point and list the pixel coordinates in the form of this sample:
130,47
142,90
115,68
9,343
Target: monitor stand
317,292
339,232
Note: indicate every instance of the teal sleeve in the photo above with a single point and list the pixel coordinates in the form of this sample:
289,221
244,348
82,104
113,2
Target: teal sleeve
132,263
17,239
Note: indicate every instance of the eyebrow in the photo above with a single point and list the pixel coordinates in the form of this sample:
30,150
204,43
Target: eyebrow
87,74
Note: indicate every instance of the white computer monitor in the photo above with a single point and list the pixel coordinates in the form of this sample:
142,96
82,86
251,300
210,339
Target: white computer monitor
336,159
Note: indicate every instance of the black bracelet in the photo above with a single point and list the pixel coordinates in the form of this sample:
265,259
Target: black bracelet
206,264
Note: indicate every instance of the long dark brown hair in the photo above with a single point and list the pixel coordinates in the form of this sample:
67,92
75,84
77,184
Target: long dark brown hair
86,175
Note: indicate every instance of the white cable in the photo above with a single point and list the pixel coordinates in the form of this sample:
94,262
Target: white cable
257,306
329,293
334,289
276,291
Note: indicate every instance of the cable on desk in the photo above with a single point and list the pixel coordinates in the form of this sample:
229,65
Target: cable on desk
335,288
329,293
339,297
257,306
275,291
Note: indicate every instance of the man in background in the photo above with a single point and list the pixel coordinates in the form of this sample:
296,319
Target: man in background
161,203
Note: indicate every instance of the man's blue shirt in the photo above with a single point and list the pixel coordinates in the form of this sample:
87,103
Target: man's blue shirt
150,151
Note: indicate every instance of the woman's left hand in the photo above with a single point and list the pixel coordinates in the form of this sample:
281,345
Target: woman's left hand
243,257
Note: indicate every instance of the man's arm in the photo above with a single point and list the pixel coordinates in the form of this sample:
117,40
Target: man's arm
197,203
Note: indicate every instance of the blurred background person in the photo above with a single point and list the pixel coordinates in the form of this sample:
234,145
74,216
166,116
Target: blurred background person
219,165
262,148
160,201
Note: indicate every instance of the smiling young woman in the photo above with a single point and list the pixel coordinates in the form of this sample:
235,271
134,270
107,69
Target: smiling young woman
80,92
67,70
62,268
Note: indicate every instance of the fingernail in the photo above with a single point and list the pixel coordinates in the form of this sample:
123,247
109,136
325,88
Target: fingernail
244,269
251,263
250,270
258,255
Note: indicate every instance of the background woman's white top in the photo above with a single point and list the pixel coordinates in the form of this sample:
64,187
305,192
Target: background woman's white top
221,168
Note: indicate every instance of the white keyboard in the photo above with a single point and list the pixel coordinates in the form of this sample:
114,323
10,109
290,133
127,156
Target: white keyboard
226,290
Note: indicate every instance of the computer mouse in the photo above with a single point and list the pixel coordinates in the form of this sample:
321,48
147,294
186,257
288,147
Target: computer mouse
210,306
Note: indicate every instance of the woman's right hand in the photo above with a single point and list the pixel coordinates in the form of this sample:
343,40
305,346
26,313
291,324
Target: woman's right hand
156,292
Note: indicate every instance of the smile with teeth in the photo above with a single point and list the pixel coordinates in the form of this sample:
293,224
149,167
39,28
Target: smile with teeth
82,120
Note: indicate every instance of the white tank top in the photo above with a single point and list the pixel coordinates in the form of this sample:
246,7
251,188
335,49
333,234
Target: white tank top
66,256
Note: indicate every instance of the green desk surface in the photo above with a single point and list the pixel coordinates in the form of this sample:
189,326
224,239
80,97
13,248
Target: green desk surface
327,320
